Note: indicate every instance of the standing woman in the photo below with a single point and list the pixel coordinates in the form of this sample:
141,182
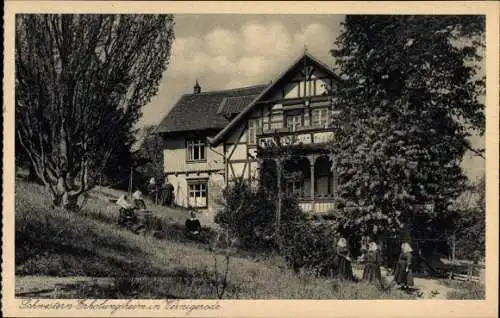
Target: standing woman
344,267
403,274
371,273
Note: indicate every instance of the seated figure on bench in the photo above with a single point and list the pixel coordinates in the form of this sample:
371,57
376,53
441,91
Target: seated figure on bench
138,201
127,214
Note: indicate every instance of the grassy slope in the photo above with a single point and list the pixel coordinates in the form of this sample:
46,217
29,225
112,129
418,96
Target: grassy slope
58,243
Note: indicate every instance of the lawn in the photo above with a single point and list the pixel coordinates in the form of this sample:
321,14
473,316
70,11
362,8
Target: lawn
54,243
464,290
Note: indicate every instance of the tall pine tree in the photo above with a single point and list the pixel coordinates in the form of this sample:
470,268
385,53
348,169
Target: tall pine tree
408,105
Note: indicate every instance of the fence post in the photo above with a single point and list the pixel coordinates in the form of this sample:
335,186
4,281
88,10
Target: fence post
130,183
278,208
453,246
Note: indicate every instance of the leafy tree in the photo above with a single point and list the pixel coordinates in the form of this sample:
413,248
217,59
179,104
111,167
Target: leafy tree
408,104
151,148
469,223
80,83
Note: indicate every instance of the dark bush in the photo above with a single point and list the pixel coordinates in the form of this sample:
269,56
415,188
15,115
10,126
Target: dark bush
310,245
250,214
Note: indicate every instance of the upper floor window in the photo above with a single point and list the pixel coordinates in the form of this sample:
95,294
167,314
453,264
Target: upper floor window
253,126
196,150
294,120
319,117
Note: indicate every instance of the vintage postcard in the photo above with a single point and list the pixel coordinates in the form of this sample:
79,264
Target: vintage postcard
253,159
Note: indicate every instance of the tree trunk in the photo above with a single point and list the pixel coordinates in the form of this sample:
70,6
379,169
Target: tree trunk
57,199
33,176
62,196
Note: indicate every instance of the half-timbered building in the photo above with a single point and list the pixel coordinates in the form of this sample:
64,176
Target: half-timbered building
211,138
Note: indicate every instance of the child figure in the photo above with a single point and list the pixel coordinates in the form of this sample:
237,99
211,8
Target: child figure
371,273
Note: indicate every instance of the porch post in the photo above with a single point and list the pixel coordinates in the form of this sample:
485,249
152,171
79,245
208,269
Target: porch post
312,159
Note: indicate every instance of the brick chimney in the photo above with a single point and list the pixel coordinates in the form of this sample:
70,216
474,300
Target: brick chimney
197,88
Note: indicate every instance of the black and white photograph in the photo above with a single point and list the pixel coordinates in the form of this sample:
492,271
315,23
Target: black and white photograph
257,156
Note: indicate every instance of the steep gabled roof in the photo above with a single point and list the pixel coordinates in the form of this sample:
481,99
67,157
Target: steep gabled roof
236,120
207,110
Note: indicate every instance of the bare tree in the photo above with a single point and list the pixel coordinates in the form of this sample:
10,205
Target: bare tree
80,83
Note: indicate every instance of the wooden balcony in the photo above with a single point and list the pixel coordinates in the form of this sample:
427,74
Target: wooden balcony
302,135
317,205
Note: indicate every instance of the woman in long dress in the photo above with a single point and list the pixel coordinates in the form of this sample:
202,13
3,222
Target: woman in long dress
371,273
344,267
403,274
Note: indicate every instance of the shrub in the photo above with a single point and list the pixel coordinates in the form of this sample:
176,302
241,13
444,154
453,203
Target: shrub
310,246
250,214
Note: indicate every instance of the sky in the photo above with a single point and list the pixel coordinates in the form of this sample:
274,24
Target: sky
227,51
224,51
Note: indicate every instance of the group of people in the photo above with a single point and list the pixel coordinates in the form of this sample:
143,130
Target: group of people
163,192
129,210
372,260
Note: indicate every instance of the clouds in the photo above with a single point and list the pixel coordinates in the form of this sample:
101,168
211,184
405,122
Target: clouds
249,54
310,36
222,42
271,39
254,52
242,54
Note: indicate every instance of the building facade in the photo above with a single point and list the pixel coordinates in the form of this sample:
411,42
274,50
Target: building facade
211,138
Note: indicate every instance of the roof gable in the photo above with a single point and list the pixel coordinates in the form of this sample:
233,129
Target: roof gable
288,74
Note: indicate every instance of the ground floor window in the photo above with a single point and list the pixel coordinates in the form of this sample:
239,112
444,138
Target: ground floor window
198,194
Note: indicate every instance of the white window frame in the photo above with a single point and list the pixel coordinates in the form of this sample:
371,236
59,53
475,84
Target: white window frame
198,193
253,127
294,121
191,145
320,117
